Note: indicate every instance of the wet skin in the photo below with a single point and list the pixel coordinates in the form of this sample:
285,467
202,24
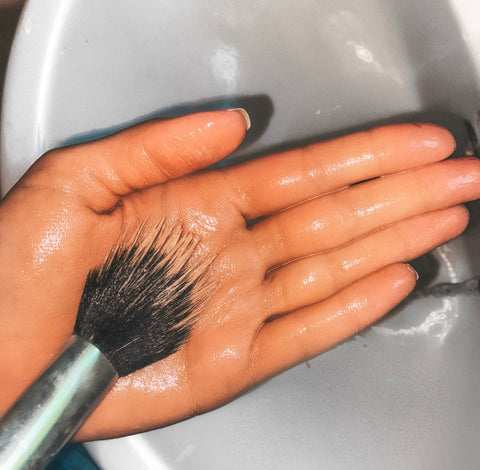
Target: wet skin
324,260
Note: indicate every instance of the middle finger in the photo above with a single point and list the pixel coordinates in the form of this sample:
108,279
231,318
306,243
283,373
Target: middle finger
330,221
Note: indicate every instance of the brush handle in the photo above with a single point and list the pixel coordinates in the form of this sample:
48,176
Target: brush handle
52,409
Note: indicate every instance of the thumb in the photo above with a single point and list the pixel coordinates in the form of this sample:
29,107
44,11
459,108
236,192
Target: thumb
103,171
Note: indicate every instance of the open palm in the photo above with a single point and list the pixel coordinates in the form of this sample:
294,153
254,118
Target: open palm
303,256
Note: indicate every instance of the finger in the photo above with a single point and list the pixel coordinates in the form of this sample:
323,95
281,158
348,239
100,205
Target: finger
285,179
308,332
313,279
330,221
145,155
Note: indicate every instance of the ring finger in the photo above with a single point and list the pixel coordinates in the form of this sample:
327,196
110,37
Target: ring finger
313,279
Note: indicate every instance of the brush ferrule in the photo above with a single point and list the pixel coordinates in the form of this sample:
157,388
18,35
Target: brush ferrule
52,409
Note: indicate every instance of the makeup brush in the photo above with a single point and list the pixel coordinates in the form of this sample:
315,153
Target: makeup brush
136,309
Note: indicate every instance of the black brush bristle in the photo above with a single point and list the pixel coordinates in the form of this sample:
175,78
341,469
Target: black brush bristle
140,306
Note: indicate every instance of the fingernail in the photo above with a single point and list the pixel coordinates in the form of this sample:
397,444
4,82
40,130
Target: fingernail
244,114
416,274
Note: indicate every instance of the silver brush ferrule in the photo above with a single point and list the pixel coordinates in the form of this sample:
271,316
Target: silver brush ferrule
53,408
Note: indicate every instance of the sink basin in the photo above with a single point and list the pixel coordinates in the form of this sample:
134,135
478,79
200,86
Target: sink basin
402,394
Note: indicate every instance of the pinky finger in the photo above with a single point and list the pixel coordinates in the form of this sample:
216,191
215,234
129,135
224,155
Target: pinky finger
309,331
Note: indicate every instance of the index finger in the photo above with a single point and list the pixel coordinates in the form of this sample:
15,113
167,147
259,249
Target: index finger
288,178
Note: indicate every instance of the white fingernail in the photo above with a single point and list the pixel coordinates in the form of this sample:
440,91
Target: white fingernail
244,114
413,269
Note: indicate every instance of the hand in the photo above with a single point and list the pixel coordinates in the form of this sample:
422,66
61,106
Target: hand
303,257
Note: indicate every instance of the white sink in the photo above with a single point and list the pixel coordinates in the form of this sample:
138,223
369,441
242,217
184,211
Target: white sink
403,394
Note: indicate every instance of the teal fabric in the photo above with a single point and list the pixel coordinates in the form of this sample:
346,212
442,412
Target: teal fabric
72,457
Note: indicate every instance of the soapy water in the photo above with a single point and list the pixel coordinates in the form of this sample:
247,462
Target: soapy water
437,323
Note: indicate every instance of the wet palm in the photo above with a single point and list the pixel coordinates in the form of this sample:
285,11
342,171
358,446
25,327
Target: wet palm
302,259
